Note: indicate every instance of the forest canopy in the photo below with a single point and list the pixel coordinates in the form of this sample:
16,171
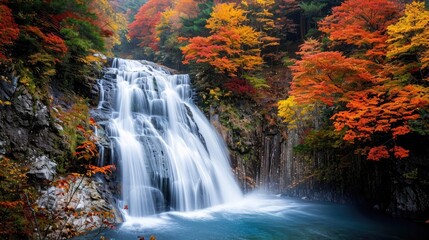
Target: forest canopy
363,63
347,76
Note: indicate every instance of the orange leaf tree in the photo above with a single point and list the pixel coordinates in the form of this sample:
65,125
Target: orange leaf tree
362,24
381,115
232,46
368,102
331,78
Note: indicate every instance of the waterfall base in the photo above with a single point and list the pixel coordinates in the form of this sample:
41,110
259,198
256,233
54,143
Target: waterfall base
169,156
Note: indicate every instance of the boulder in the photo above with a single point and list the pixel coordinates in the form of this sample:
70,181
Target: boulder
43,168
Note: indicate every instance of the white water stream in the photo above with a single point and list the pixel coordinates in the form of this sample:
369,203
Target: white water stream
170,157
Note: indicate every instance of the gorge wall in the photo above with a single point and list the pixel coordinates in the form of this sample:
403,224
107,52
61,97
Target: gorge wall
35,133
269,161
263,151
267,155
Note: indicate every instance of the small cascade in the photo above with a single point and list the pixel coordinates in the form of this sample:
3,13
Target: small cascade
169,155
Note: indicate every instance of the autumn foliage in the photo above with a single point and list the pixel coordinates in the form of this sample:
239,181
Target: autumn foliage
362,24
240,87
331,77
409,44
374,81
148,17
53,39
9,30
232,46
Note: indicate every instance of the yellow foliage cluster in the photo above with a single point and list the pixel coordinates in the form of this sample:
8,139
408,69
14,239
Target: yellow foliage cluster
226,15
295,114
109,20
6,103
409,36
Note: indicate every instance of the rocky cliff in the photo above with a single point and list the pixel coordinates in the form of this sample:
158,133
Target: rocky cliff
34,134
267,155
269,160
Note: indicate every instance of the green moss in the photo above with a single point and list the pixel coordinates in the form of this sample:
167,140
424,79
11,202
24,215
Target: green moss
411,175
74,121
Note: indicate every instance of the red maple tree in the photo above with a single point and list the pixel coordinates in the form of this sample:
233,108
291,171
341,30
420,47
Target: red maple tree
148,17
9,30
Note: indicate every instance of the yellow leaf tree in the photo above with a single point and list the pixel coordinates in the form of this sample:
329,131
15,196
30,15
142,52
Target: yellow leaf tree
231,48
262,18
110,22
295,115
409,42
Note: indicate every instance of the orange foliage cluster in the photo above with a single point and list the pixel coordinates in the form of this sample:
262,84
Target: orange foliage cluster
92,169
374,104
50,42
86,151
362,23
330,77
223,50
232,47
9,30
377,111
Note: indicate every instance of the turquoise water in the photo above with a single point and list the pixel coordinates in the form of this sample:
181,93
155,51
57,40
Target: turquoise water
268,217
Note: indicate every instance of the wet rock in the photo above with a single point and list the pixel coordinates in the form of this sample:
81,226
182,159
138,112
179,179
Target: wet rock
94,195
100,115
48,198
100,55
58,127
25,127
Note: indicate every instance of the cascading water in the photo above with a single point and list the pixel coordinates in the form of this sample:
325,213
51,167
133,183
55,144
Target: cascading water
169,155
171,158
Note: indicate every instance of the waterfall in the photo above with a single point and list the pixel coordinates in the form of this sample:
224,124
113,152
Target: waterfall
169,155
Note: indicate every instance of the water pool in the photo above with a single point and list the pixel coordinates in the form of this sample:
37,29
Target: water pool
260,216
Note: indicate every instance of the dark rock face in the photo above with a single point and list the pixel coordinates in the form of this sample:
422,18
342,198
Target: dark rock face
31,134
397,187
26,131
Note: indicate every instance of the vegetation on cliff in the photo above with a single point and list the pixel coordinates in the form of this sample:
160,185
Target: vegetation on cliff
350,78
47,66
